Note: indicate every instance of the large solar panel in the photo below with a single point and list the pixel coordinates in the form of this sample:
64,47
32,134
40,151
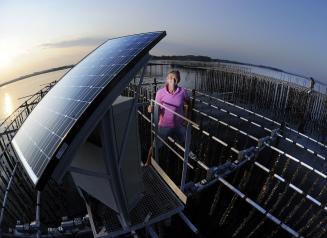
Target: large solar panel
66,107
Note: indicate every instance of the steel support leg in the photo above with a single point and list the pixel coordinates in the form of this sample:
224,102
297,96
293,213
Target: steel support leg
112,166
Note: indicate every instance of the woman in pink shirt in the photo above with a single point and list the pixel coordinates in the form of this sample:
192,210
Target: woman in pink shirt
173,97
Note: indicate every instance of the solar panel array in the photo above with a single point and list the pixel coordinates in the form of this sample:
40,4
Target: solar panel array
45,130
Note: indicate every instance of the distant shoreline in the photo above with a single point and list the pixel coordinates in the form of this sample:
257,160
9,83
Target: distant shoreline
209,59
35,74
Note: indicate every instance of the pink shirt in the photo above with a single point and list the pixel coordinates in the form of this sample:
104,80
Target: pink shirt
175,102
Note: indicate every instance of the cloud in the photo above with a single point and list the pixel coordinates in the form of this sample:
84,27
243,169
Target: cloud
84,41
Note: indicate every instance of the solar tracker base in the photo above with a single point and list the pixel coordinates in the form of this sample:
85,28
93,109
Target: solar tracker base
157,204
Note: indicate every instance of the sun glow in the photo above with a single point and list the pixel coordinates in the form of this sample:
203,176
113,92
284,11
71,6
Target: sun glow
8,105
9,51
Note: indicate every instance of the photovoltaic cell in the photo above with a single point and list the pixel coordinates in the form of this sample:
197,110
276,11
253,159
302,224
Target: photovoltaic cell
45,130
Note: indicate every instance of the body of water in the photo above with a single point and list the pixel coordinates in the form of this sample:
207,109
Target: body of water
12,95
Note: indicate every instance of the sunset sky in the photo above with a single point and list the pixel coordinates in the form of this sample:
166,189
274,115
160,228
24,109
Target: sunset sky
290,35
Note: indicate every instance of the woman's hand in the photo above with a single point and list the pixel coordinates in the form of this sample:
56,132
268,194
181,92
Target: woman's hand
150,109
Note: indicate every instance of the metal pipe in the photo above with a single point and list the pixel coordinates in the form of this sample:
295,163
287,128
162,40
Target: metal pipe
186,155
188,223
155,115
38,214
151,232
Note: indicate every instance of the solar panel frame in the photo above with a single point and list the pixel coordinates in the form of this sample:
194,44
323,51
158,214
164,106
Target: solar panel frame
66,137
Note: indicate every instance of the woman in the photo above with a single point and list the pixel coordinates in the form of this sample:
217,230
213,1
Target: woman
173,97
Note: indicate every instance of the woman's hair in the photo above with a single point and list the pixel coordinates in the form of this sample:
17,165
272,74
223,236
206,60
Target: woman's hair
177,74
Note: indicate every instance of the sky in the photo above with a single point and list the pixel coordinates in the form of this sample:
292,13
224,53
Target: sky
291,35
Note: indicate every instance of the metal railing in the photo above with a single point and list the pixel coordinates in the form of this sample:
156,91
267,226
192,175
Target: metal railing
189,124
249,156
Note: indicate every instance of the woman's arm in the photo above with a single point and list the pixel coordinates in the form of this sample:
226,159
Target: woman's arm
158,99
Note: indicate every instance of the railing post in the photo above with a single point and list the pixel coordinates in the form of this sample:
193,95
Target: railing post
192,105
155,120
155,86
186,154
28,110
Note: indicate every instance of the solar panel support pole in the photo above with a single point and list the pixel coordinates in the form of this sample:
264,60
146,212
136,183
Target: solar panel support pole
112,166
